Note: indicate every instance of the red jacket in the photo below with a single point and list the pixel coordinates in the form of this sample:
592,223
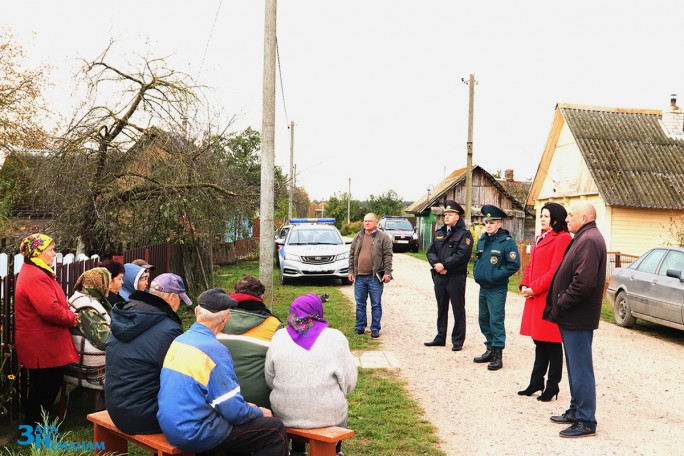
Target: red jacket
42,320
545,259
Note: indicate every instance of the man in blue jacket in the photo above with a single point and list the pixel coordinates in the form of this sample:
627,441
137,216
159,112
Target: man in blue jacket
496,260
201,408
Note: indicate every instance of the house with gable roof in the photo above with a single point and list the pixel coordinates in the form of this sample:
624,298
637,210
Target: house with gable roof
629,163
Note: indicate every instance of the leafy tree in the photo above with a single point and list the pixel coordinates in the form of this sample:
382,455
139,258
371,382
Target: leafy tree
336,207
388,203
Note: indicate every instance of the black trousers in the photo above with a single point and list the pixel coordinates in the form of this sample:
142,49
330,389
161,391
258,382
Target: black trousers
547,355
43,387
263,436
450,288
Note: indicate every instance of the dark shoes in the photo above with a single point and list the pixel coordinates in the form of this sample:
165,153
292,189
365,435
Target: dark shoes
579,429
435,343
550,391
496,362
484,357
457,348
375,334
567,417
531,389
359,331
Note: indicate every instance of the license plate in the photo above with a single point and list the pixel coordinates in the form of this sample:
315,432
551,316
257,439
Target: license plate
402,242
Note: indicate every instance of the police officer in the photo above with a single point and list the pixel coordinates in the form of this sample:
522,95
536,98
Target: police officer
448,255
496,260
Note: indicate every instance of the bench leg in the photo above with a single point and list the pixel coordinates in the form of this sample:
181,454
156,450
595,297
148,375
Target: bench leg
318,448
113,443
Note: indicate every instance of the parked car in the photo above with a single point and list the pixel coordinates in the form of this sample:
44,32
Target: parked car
313,248
651,288
403,234
280,236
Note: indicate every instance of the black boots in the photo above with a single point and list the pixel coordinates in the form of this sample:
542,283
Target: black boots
550,391
497,359
484,357
533,387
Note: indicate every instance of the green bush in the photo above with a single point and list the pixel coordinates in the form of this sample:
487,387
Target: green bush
350,229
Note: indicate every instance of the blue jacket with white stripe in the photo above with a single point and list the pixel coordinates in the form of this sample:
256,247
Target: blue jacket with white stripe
199,398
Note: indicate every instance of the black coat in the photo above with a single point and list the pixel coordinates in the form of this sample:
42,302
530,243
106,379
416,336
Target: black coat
452,251
576,292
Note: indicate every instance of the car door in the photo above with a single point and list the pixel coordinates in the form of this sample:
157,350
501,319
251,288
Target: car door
667,298
639,281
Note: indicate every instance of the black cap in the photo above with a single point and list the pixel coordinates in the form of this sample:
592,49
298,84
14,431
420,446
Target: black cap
491,212
216,300
453,206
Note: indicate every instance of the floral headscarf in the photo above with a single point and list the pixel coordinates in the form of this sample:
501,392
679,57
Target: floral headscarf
305,320
94,282
33,246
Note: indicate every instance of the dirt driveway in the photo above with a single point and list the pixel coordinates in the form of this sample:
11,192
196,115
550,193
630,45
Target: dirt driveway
640,381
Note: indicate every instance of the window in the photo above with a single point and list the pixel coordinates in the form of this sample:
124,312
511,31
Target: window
673,260
650,263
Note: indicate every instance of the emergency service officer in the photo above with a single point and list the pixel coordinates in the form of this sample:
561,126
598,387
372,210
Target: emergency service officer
496,260
448,255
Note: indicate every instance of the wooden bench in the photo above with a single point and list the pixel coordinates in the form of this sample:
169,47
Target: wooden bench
322,441
116,441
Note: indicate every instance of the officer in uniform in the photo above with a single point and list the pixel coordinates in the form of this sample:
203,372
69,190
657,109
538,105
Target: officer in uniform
496,260
449,255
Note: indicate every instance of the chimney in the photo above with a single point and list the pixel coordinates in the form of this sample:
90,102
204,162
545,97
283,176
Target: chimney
672,121
509,175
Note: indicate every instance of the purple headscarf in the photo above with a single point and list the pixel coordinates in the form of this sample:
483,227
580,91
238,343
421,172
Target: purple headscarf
305,321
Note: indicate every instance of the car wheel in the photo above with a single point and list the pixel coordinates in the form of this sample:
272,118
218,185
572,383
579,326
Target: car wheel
623,313
346,281
414,249
284,280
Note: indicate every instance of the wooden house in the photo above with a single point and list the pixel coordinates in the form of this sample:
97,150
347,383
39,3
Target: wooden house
629,163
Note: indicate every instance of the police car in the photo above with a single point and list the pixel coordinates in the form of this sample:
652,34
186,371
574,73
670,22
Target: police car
313,247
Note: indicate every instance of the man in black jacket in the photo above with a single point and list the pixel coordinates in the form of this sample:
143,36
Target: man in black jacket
448,255
574,303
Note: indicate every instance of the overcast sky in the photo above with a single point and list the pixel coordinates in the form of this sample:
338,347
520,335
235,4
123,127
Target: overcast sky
374,86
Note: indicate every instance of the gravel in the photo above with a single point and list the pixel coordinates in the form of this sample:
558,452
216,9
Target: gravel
640,381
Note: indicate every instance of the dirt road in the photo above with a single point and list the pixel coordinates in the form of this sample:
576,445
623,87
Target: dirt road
640,381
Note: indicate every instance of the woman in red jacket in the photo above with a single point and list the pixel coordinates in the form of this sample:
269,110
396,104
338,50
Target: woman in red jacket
42,321
546,257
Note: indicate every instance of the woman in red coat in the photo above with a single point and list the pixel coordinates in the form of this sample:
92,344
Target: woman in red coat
545,259
42,322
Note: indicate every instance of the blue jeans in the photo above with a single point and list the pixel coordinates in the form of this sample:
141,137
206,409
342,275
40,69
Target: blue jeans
364,286
578,358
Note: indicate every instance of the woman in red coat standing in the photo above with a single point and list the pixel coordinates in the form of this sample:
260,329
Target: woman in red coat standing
42,322
546,257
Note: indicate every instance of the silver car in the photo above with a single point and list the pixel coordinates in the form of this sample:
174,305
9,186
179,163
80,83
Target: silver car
651,288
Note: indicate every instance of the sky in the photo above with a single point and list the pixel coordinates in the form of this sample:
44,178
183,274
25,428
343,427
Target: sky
374,87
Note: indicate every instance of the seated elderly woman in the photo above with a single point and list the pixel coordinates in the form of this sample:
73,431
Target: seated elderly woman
89,301
316,397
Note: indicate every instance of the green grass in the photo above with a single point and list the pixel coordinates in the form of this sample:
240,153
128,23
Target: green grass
646,327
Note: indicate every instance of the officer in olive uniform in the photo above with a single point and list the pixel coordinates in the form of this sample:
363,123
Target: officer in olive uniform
496,260
448,255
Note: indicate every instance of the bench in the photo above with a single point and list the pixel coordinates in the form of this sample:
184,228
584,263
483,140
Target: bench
116,441
321,441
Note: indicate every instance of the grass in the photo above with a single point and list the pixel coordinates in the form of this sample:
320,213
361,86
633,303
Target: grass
386,420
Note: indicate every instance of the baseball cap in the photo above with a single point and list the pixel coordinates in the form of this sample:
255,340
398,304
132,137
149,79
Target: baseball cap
216,300
142,263
170,283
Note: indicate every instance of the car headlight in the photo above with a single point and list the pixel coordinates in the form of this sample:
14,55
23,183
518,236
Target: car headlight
342,256
292,257
415,236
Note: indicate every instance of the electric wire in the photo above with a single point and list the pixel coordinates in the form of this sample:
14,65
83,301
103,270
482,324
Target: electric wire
211,33
282,89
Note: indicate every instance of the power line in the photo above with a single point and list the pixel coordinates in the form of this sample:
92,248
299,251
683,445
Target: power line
211,32
282,89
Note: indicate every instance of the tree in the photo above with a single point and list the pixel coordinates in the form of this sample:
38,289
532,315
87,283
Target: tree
336,207
388,203
301,202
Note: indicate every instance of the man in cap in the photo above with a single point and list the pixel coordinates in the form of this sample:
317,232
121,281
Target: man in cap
141,331
142,263
201,408
496,259
448,255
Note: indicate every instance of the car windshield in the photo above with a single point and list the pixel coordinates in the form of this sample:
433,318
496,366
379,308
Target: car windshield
400,224
315,236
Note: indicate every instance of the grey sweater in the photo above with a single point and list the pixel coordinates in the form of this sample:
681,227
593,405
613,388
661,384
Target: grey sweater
310,387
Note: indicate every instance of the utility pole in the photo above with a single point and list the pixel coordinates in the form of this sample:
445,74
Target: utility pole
266,241
291,195
469,168
349,202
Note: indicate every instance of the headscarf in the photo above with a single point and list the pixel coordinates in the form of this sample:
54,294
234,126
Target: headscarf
305,321
94,282
33,246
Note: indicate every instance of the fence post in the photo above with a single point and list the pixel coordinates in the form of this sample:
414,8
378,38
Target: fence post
617,260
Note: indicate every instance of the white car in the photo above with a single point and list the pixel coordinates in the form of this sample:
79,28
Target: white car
313,249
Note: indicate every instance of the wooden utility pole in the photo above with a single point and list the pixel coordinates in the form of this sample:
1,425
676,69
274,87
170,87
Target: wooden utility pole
349,203
290,198
469,168
266,240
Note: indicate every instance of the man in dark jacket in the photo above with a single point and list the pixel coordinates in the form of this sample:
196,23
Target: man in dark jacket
449,254
142,331
496,260
574,303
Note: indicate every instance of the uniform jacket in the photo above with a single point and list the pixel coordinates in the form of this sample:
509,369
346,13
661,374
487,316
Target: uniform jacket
546,256
497,259
42,319
576,292
141,334
199,398
381,252
453,251
248,335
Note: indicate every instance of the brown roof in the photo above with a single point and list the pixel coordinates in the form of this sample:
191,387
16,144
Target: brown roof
633,162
